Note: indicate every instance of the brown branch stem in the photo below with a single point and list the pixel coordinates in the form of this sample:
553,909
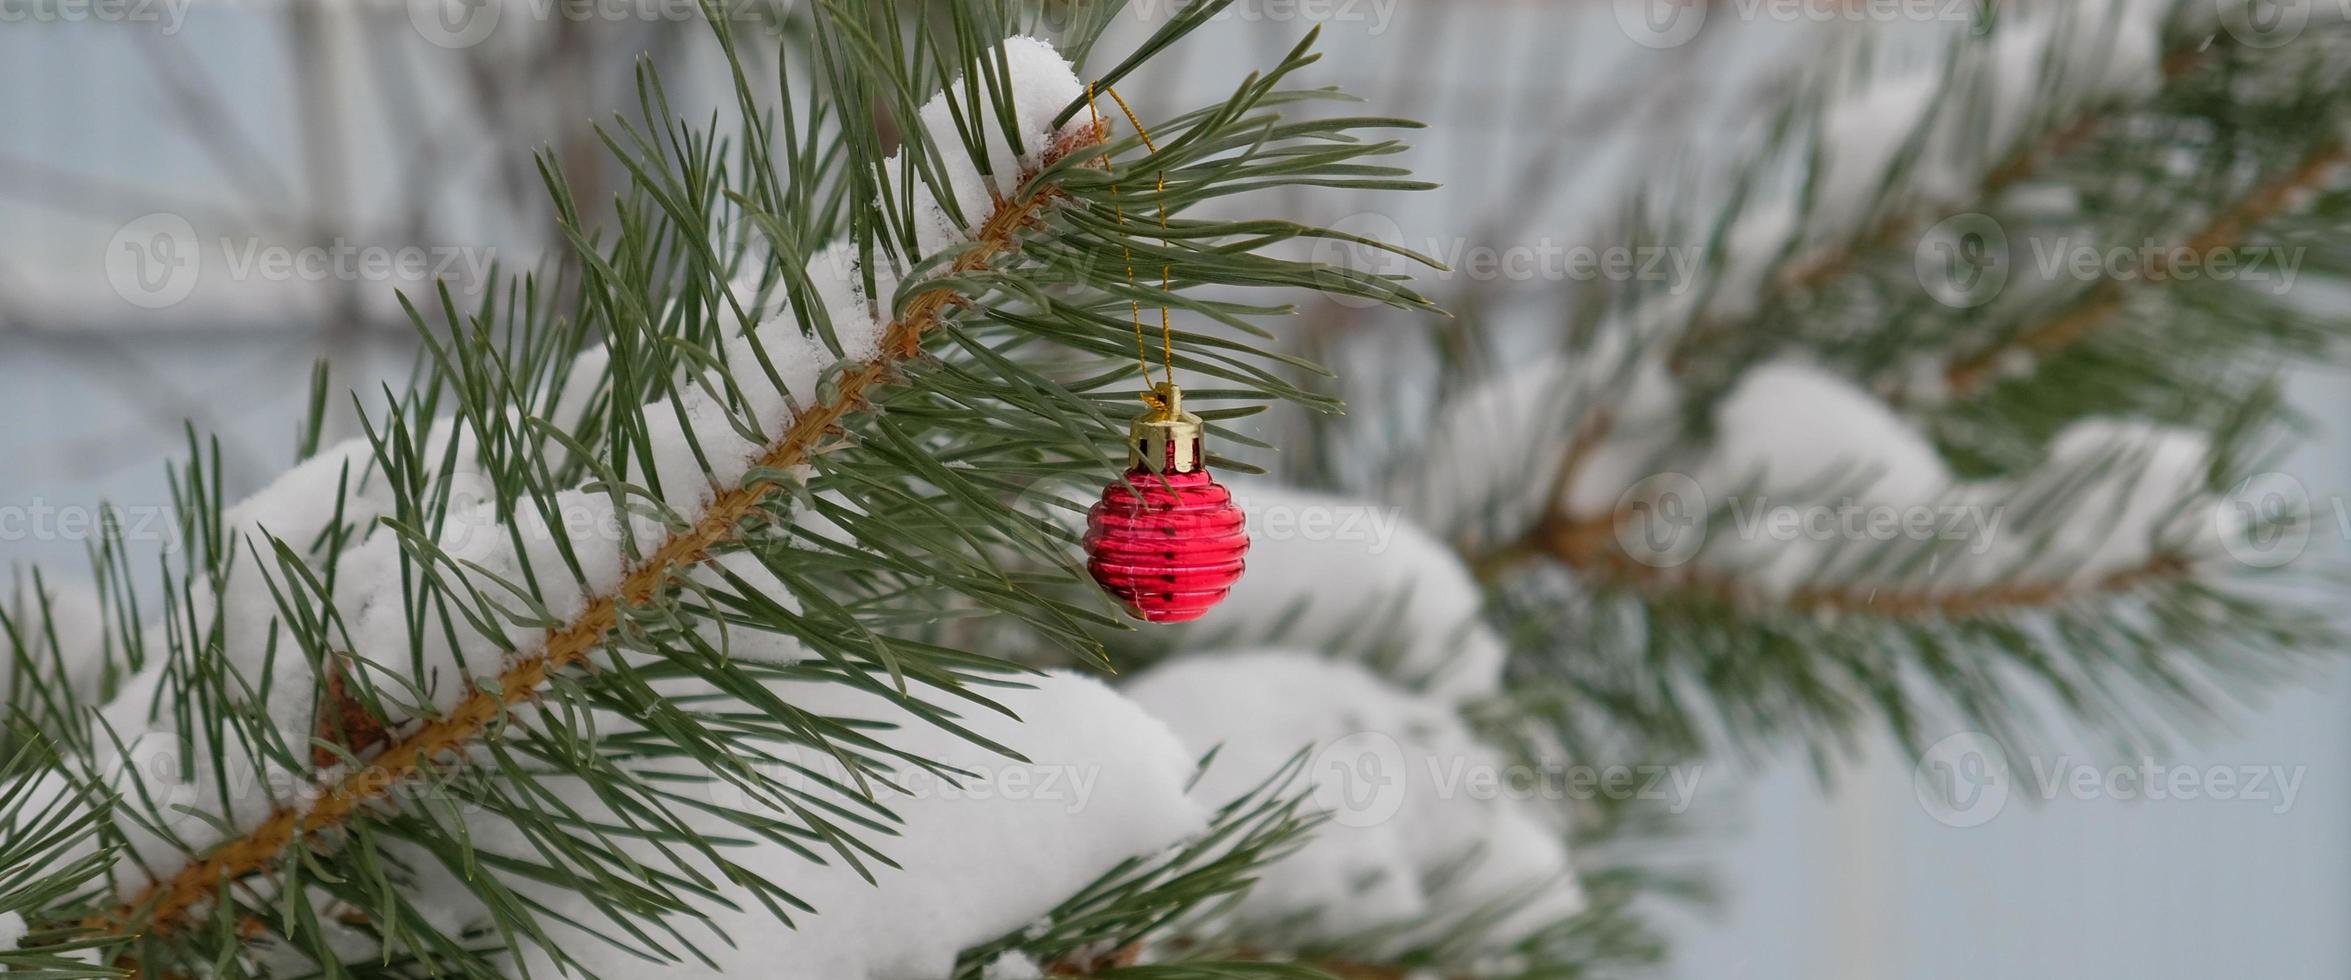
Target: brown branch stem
166,904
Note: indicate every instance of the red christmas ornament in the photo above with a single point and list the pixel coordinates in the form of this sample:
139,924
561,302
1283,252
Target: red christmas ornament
1167,541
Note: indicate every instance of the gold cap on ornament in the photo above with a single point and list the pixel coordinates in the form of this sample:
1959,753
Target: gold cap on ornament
1166,439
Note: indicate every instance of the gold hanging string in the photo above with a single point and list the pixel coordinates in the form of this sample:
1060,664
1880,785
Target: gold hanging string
1151,393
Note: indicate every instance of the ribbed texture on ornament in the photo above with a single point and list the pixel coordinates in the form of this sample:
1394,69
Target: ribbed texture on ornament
1170,547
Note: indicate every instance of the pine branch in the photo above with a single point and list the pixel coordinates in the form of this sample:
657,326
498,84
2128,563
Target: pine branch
1887,637
165,905
1590,547
1970,374
1897,228
1808,273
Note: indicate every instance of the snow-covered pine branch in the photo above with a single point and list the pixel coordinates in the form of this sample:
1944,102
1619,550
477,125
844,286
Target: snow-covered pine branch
569,659
2091,430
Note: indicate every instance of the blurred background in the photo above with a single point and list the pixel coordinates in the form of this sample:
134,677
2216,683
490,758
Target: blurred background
199,201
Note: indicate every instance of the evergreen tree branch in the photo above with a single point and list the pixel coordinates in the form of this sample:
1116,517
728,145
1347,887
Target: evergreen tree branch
1974,372
1590,547
167,904
1897,228
1821,267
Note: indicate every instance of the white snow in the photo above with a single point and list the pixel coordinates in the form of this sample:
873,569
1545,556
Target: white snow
2042,64
1041,82
1394,771
740,641
1644,423
1797,449
1790,426
1793,436
12,929
1861,135
1352,577
1759,236
1794,442
2148,494
1104,783
1012,966
1496,451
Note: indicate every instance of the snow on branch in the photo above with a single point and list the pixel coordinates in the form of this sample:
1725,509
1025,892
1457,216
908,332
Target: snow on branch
543,597
1760,518
1412,857
987,846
